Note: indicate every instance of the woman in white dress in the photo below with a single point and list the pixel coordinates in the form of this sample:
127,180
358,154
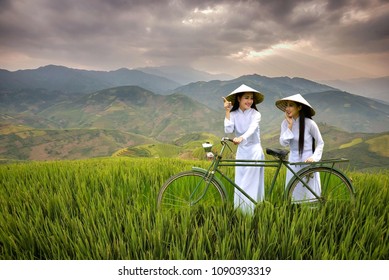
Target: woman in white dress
242,118
302,135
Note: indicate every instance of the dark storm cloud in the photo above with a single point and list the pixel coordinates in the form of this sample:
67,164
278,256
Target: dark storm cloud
121,33
355,27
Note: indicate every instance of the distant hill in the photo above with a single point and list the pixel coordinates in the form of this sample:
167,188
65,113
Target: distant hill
26,143
68,80
350,112
211,93
341,109
377,88
184,75
136,110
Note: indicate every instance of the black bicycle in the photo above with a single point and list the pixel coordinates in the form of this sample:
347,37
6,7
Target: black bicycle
205,186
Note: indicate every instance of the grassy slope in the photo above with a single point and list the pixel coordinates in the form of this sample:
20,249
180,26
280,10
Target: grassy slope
365,151
23,143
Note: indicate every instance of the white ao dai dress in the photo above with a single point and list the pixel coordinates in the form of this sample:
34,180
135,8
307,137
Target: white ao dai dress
245,124
290,137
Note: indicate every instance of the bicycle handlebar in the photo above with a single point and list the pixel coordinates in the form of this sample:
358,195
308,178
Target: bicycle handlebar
224,139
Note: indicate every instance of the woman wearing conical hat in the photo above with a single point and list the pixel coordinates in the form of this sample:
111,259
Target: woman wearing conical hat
302,135
242,118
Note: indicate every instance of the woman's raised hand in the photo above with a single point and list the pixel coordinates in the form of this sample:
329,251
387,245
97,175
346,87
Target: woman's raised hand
227,104
289,119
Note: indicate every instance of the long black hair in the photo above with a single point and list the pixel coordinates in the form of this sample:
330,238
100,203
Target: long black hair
236,102
305,112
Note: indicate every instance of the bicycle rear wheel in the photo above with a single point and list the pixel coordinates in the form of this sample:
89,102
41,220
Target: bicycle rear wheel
188,189
326,185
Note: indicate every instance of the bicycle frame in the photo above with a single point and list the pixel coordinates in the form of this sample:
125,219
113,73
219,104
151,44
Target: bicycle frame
218,161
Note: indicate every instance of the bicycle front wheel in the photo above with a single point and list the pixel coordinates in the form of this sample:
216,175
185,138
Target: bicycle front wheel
190,188
325,185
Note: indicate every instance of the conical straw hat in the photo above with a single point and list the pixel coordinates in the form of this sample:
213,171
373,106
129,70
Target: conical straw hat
258,97
281,103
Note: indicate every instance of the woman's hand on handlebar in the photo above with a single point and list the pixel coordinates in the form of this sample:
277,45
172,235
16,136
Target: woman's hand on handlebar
237,140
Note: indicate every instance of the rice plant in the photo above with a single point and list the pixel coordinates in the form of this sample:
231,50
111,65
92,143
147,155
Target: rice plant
105,208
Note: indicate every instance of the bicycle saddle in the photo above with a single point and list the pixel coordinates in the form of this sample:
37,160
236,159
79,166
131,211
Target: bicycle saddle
280,153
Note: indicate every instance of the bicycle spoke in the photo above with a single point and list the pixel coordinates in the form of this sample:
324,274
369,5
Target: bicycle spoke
336,191
328,184
189,189
176,199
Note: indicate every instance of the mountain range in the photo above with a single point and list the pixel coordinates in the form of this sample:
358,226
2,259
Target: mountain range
184,75
376,88
68,80
341,109
55,112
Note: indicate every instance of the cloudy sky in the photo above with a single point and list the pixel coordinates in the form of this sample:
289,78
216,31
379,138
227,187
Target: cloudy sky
314,39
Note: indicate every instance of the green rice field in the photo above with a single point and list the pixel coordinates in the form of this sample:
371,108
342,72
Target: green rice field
105,209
